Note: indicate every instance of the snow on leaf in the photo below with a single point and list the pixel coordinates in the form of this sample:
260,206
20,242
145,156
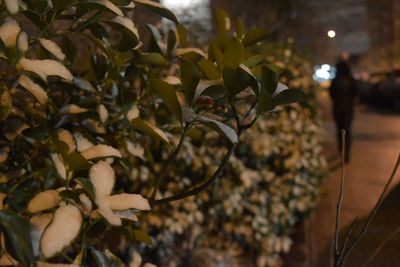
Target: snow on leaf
103,113
126,214
82,142
66,137
127,23
43,201
36,90
126,201
135,149
9,32
38,223
102,177
23,42
109,5
12,6
7,260
53,48
45,67
136,259
62,230
100,151
59,165
132,113
72,109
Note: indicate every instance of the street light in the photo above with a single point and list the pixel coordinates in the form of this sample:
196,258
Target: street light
331,33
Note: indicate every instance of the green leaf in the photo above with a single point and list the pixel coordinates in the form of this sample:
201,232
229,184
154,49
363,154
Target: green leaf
155,59
254,36
190,77
156,42
171,42
215,54
38,133
182,35
239,28
76,162
5,102
17,234
60,5
190,54
130,36
221,128
168,95
101,259
147,128
222,21
209,69
236,80
234,53
267,77
212,88
142,236
87,186
104,5
60,147
254,60
289,96
158,9
265,102
70,195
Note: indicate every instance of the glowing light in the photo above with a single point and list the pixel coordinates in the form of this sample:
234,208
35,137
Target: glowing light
322,74
181,4
326,67
331,33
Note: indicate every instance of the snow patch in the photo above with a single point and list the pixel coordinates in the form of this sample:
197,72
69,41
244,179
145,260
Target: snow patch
36,90
53,48
45,67
100,151
9,32
43,201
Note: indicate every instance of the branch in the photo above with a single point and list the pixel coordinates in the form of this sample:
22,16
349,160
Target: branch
372,214
171,160
203,186
347,237
381,245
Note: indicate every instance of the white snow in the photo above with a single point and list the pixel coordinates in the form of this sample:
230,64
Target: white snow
132,113
53,48
45,67
12,6
38,223
136,259
102,177
59,165
135,149
62,230
82,142
100,151
126,214
36,90
43,201
126,201
23,42
9,32
103,113
72,109
86,203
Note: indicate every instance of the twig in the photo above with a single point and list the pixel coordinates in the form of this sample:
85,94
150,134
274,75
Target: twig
381,245
203,186
371,215
340,201
348,236
171,160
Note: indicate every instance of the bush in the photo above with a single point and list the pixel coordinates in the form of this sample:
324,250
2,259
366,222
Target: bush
82,106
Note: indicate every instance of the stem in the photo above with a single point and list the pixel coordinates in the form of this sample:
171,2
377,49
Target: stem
171,160
203,186
347,238
340,201
372,214
381,245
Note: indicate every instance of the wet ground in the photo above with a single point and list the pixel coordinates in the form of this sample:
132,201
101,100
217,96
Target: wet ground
376,145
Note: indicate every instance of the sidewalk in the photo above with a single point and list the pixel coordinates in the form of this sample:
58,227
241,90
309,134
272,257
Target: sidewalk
375,147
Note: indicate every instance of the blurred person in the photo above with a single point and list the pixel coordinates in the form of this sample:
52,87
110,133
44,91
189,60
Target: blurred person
343,91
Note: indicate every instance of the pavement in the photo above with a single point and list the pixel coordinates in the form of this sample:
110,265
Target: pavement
374,151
